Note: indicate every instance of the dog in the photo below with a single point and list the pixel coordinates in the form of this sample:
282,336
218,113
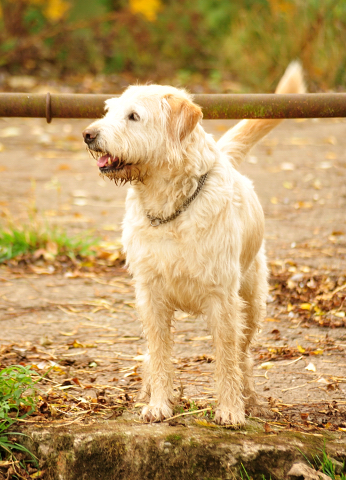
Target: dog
193,232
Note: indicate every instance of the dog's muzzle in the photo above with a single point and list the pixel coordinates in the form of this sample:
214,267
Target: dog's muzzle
105,161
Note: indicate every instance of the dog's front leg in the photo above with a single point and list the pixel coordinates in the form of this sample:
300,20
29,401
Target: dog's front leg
157,319
226,323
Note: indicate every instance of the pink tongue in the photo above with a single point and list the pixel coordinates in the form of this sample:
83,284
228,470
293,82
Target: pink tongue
102,161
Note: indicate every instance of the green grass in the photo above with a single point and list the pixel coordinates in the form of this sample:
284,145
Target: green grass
324,464
328,467
193,406
18,398
49,241
243,473
245,476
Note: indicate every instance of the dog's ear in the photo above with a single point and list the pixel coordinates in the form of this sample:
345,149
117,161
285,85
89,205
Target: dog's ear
184,116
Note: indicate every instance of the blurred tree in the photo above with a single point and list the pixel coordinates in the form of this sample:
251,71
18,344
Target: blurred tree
12,14
151,39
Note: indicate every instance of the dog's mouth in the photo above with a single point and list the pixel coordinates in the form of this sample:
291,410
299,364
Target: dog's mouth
107,163
116,169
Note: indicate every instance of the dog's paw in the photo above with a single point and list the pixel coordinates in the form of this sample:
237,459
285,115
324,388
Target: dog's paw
230,416
154,413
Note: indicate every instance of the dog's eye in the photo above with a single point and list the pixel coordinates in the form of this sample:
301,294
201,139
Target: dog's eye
134,116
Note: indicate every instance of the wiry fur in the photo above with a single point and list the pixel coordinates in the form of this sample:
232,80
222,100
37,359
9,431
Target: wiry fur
210,261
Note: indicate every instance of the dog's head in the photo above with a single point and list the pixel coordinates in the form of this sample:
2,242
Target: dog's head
146,128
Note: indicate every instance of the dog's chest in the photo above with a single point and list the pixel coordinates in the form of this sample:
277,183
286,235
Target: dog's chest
180,256
173,269
165,254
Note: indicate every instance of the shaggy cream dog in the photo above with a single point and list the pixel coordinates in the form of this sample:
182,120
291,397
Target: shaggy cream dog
193,232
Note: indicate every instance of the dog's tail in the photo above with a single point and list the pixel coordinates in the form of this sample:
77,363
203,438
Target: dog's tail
238,141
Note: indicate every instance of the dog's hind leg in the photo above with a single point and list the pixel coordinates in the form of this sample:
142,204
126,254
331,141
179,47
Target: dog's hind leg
157,318
254,290
226,323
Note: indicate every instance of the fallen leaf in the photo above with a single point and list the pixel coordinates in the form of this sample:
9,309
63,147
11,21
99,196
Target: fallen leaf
64,166
252,160
204,423
10,132
301,204
322,380
81,202
76,381
69,334
330,140
266,365
288,185
311,367
306,306
43,271
267,428
286,166
325,165
131,374
59,370
139,358
37,474
318,311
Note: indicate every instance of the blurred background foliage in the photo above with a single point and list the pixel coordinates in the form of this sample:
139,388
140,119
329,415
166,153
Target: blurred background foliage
228,45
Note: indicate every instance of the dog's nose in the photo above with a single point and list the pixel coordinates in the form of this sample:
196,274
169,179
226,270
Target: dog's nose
90,135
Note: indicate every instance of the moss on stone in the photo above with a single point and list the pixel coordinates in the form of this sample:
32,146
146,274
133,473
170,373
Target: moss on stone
129,451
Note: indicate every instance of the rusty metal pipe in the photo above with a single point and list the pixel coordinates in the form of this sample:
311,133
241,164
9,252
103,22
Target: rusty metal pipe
215,106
